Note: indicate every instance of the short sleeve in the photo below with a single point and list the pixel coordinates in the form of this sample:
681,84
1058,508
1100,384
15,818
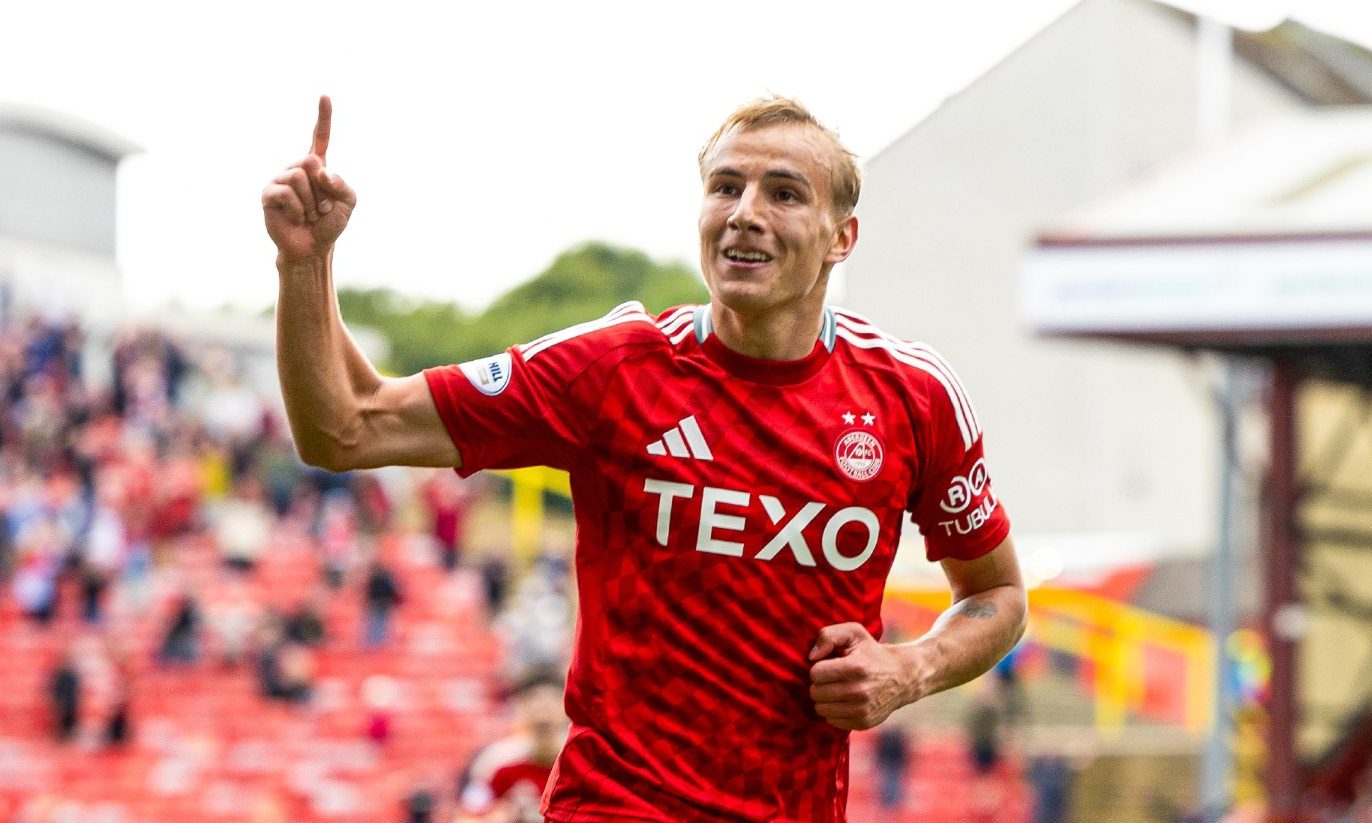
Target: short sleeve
954,505
509,411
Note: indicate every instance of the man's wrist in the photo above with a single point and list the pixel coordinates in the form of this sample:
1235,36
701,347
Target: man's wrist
305,264
914,670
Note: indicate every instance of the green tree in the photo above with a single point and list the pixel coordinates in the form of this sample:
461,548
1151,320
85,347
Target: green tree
581,284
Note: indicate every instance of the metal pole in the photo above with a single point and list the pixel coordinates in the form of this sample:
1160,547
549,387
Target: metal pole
1214,52
1217,763
1283,615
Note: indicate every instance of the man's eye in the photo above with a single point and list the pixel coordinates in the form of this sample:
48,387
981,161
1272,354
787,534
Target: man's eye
787,196
728,189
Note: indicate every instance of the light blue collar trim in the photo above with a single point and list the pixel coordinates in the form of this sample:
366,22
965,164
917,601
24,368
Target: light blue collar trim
705,326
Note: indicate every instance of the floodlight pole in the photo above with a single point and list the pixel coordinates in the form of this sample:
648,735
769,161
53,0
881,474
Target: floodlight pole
1214,52
1216,793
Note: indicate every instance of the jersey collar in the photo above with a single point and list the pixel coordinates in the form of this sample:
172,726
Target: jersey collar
705,326
757,370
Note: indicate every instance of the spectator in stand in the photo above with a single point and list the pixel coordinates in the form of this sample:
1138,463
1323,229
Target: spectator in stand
297,673
420,804
38,564
447,507
337,532
243,525
106,550
285,670
495,584
380,694
117,720
64,690
382,595
538,623
374,507
893,762
506,779
181,643
305,625
278,466
984,725
233,618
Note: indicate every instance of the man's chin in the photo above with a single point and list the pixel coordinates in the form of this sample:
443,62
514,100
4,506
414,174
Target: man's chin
743,298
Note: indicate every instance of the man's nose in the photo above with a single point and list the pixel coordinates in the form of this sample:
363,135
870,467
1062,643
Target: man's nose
745,214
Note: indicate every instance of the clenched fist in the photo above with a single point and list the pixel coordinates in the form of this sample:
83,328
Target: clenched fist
306,207
858,681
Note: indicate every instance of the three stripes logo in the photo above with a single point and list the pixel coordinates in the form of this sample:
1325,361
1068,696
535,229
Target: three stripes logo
682,440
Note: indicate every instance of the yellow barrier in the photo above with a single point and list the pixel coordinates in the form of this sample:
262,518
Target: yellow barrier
1114,636
526,506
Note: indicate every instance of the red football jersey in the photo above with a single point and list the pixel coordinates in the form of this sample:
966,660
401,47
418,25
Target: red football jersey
727,509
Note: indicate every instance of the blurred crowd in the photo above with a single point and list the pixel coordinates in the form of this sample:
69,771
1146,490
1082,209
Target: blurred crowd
103,481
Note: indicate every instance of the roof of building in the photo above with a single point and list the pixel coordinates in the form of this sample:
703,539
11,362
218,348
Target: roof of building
1322,69
67,128
1304,174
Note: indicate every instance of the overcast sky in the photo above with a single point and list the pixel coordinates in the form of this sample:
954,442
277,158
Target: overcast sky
482,138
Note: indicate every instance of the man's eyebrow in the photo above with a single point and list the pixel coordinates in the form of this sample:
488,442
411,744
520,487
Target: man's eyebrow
785,174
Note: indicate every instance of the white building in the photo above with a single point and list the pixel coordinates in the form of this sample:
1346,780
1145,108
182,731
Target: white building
57,213
1105,452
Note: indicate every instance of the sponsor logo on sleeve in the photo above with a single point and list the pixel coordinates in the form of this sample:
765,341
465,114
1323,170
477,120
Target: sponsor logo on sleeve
489,375
971,490
962,490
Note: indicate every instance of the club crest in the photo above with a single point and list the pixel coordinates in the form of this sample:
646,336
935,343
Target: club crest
859,455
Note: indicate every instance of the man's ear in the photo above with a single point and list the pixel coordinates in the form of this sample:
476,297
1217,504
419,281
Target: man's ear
844,241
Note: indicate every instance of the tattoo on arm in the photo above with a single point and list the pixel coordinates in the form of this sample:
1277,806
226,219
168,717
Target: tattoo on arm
976,608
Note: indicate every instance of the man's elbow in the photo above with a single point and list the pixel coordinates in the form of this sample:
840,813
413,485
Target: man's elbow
330,452
325,459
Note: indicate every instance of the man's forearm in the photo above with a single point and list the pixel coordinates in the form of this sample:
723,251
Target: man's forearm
324,375
966,640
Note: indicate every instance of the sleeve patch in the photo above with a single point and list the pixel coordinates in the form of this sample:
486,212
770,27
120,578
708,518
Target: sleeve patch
490,375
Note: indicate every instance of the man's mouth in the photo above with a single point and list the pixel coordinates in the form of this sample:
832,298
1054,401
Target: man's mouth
747,256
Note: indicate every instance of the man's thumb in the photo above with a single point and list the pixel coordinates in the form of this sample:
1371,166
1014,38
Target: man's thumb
840,638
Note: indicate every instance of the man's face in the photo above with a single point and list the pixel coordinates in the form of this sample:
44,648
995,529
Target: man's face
768,231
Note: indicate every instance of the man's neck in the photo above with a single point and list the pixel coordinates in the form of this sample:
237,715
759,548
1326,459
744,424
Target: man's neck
775,335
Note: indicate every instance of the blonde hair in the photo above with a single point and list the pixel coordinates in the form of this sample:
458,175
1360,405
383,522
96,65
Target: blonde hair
845,179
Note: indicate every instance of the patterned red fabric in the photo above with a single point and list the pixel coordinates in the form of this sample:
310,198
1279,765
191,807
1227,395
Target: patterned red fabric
727,509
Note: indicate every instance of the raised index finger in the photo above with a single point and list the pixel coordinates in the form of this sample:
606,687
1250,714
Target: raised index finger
320,146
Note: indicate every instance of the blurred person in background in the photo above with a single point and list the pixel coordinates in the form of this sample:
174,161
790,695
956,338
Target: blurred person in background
243,524
446,505
537,622
38,562
506,779
984,726
106,550
181,639
305,623
233,618
894,749
337,534
380,697
285,669
381,595
64,691
737,523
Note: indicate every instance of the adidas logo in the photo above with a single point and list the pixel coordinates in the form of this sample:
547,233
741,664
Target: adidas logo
682,440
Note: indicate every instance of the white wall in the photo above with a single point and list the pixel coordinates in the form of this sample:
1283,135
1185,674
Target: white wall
1081,437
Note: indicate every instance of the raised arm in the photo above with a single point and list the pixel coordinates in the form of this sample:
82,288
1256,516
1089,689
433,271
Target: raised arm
343,414
857,681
